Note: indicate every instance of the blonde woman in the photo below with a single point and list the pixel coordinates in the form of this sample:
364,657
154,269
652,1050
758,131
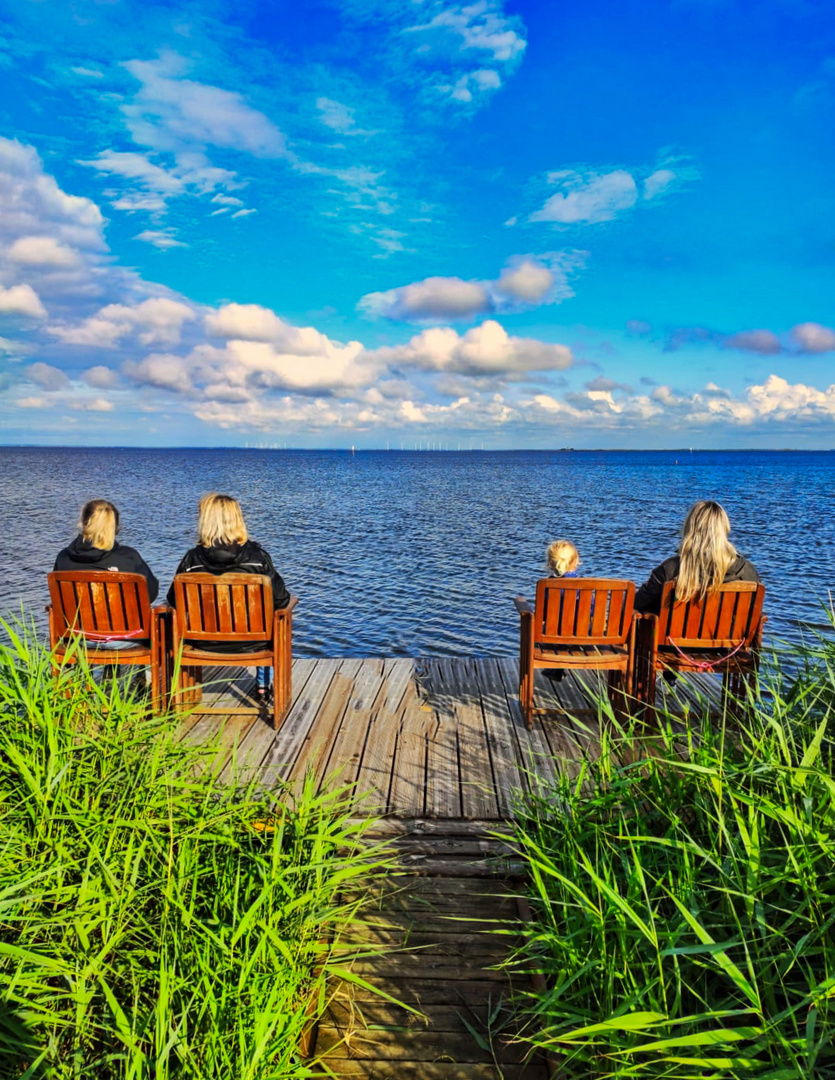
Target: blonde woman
705,560
562,559
224,547
96,547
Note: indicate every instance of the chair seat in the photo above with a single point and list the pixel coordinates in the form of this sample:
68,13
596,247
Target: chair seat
100,654
580,655
208,656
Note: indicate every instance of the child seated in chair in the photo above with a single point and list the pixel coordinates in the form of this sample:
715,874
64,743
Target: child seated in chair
562,559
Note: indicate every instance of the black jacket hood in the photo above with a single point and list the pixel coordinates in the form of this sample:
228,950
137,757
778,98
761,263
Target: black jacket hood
82,551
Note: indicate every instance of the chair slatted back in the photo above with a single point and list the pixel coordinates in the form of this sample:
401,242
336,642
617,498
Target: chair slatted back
100,604
583,611
728,619
227,606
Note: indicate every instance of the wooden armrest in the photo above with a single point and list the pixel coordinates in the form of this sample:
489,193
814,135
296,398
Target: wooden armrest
522,605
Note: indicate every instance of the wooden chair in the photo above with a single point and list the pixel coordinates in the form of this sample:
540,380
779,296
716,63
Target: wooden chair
578,623
94,608
211,608
721,635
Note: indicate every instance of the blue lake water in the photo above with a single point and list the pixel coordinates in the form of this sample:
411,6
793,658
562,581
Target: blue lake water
415,554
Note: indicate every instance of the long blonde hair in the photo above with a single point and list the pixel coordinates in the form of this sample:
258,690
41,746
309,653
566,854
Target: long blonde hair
705,552
220,520
562,557
99,523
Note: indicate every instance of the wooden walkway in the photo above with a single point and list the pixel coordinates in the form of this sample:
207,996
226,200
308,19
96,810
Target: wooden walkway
432,738
438,748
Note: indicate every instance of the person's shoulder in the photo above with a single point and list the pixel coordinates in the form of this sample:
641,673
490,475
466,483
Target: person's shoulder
669,568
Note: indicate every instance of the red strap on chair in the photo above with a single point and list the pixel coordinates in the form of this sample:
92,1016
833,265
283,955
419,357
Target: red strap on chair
708,665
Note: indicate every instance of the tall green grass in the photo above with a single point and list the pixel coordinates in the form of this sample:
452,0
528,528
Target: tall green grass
683,891
150,926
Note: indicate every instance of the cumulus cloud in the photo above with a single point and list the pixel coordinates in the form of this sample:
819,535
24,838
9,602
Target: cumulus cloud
590,196
100,377
46,376
526,281
156,321
44,251
811,337
484,350
760,341
21,300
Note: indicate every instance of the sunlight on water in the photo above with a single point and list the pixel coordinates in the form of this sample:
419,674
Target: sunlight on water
407,554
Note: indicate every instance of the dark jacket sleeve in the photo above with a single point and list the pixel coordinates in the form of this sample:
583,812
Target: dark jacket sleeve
281,597
648,597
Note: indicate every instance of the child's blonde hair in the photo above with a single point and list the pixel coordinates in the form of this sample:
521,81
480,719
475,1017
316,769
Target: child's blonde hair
99,523
562,557
219,520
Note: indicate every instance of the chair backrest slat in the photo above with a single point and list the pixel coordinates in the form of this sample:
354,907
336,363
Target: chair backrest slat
583,611
224,607
99,602
727,619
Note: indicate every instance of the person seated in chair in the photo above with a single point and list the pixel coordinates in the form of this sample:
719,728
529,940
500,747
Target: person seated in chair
224,547
96,547
705,560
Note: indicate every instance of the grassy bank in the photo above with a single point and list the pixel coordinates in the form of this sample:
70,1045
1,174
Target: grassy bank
149,926
684,896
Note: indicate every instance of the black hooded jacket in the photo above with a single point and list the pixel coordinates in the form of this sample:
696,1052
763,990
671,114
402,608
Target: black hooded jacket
81,555
248,558
648,597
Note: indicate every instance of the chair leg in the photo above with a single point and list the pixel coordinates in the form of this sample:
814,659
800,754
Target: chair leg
526,696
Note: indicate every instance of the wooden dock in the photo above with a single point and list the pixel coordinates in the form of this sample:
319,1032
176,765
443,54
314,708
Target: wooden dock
438,749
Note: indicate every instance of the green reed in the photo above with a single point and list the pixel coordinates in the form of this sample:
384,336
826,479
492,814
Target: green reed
153,922
683,892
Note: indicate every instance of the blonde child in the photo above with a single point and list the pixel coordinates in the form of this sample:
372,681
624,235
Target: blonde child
562,559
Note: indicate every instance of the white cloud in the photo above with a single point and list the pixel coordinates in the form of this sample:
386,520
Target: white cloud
339,117
760,341
163,239
171,113
811,337
34,403
138,167
481,27
434,298
157,321
526,280
44,251
97,404
21,300
46,376
589,196
100,377
484,350
658,182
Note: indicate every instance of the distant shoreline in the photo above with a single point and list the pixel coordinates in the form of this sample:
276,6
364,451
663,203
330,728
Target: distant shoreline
393,450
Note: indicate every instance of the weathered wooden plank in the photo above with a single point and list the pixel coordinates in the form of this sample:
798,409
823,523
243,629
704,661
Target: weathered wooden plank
482,944
349,742
412,1045
288,741
408,777
414,827
318,742
478,788
534,751
375,1069
399,673
249,754
443,773
504,748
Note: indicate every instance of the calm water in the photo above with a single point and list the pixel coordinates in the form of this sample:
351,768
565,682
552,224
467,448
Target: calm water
406,554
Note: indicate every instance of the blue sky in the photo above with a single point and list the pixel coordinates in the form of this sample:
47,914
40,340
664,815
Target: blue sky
417,222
